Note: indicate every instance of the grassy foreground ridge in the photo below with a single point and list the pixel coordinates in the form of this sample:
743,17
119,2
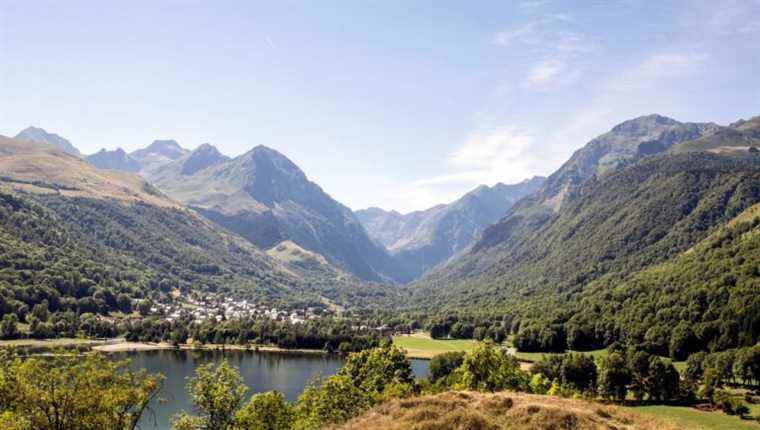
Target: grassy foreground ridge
506,410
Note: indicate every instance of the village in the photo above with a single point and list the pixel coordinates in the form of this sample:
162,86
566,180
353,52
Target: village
216,307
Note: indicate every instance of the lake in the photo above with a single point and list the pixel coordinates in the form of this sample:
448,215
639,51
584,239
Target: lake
262,371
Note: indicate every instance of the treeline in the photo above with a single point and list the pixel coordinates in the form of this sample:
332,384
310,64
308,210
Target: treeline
116,397
664,253
90,256
455,327
328,334
702,300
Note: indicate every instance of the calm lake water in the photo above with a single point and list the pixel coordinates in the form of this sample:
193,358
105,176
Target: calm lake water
261,371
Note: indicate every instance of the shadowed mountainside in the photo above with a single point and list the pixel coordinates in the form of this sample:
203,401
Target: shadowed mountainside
265,198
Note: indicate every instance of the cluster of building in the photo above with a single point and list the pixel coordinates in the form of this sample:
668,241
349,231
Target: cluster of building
218,308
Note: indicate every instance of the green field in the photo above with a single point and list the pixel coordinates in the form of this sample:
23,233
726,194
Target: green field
696,420
420,345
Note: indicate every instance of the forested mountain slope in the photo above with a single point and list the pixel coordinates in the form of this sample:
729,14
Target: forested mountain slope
707,297
423,239
629,140
617,224
88,240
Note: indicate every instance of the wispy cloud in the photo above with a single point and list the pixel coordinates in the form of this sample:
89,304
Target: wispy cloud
545,73
734,17
640,89
556,50
655,69
532,5
486,156
536,32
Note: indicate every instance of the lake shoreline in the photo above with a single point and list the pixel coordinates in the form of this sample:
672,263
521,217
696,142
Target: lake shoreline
126,346
122,345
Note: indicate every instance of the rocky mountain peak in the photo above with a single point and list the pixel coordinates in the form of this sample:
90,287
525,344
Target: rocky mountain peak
117,159
36,134
202,157
168,148
644,124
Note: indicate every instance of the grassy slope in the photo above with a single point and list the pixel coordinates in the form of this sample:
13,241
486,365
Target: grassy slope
506,410
420,345
694,419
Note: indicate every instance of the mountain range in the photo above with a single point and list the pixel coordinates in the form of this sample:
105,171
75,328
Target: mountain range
556,256
265,198
82,231
424,239
567,263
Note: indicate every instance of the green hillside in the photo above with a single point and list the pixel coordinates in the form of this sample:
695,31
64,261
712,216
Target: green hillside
79,253
555,279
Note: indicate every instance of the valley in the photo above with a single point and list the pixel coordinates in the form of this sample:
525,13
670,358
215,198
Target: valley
639,255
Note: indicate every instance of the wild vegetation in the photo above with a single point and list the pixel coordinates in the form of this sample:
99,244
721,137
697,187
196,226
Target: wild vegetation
72,392
375,388
646,254
324,333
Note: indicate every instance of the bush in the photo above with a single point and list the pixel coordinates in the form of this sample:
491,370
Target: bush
442,365
488,368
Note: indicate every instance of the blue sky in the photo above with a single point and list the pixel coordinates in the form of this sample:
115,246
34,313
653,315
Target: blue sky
397,104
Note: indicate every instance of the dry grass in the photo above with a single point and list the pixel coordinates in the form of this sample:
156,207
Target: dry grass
22,162
500,411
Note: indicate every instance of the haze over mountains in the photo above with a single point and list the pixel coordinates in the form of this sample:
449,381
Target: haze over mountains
423,239
265,198
634,197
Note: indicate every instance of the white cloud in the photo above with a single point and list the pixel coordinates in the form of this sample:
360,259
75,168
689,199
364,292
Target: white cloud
556,51
545,73
535,32
655,69
486,156
641,89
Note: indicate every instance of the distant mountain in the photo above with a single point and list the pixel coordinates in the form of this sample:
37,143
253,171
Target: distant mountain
423,239
78,234
158,153
113,230
264,197
36,134
737,137
188,164
113,160
202,157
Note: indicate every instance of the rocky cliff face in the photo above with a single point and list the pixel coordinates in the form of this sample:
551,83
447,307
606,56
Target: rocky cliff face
264,197
113,160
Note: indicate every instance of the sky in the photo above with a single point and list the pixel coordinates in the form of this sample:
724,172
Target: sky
395,104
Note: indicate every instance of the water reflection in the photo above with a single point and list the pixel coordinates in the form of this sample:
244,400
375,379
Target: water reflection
260,370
